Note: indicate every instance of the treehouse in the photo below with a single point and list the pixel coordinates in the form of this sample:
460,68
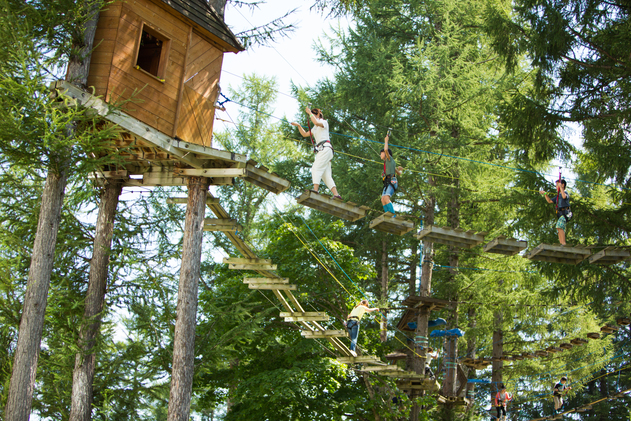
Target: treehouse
160,61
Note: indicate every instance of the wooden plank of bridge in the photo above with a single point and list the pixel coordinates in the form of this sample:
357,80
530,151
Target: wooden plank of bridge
324,334
305,316
392,224
249,264
277,287
362,359
558,254
506,246
451,236
345,210
609,256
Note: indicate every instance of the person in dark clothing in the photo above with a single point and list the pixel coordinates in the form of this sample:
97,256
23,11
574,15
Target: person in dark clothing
562,202
560,389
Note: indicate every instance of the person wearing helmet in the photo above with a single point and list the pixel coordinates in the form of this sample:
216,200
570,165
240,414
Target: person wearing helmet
560,389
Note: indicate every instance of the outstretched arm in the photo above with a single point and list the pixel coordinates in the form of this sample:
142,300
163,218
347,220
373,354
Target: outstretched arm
546,196
302,131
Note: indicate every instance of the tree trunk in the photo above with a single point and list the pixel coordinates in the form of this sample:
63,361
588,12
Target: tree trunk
498,350
421,340
22,383
32,323
383,334
85,360
451,343
413,264
471,351
184,341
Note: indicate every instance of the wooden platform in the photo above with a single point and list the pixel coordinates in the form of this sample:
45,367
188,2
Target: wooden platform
506,246
345,210
392,224
451,236
417,302
558,254
422,384
152,158
477,363
609,256
362,359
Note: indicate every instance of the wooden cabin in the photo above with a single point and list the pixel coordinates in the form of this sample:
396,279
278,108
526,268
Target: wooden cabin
160,61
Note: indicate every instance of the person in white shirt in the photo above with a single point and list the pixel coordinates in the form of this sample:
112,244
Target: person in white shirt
321,168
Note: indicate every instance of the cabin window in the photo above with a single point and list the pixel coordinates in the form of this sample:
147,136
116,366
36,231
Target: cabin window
152,52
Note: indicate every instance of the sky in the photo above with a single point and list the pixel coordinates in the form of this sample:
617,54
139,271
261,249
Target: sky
291,58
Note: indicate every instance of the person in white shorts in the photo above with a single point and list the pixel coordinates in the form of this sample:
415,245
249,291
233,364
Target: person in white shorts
321,168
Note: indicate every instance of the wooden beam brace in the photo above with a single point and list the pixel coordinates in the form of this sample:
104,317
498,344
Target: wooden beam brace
183,200
215,224
210,172
306,319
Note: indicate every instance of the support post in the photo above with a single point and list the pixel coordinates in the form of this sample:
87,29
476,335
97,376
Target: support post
184,341
498,350
422,318
85,360
383,334
21,386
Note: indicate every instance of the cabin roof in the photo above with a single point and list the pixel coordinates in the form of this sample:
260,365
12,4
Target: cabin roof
203,14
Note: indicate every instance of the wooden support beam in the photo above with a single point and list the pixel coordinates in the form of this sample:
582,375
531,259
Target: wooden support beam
305,316
210,172
324,334
391,369
216,224
182,200
391,224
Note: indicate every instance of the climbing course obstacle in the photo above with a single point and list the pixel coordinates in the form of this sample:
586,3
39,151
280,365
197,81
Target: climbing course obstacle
559,254
345,210
451,236
392,224
506,246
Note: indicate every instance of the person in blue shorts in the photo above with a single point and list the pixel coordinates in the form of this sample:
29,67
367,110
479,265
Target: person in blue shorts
389,176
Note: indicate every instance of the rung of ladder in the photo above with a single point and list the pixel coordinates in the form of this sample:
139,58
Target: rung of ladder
249,264
285,287
265,280
306,316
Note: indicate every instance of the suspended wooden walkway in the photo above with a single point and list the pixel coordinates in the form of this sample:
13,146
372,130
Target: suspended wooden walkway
456,237
506,246
480,363
415,303
586,407
392,224
559,254
345,210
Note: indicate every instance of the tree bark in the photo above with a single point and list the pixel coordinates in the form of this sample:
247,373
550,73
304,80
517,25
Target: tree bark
498,350
22,382
184,341
421,340
451,343
383,334
32,323
471,351
83,374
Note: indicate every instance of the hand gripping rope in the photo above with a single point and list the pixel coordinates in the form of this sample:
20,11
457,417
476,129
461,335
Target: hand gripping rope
556,205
